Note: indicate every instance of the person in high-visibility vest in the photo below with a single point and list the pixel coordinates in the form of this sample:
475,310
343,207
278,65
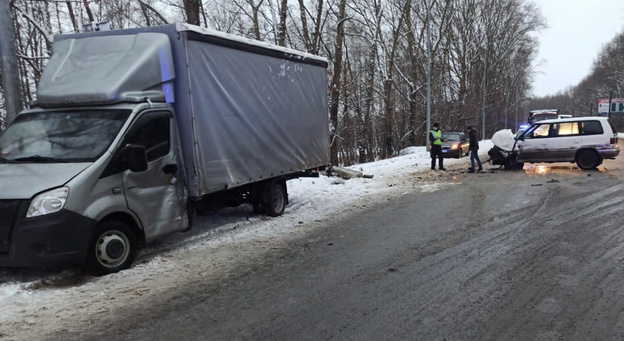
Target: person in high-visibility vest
435,137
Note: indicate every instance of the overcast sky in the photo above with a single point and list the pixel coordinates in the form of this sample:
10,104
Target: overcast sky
577,30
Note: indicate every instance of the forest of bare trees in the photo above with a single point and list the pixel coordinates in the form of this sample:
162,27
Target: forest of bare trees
482,52
604,80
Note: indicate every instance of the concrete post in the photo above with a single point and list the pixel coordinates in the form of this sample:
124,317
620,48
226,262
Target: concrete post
10,70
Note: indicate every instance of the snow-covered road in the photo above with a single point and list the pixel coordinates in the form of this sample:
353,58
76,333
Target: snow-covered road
36,303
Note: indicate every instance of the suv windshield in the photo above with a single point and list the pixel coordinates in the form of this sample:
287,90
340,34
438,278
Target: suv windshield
61,136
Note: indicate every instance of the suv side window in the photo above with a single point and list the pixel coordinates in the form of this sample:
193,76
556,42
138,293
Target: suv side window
591,128
540,131
566,129
154,136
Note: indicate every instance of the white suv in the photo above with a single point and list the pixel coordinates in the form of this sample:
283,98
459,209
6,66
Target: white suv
584,140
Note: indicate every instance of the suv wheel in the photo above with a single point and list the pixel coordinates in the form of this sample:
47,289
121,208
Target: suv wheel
587,159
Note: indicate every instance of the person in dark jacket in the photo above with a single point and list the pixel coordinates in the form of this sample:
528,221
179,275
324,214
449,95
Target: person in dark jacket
474,150
435,137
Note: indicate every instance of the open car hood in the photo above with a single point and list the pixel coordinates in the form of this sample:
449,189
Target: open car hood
504,139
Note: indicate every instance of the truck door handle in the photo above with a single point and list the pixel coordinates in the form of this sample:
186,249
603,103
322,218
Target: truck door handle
170,168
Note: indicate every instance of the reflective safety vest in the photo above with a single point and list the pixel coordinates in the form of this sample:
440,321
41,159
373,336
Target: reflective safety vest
437,136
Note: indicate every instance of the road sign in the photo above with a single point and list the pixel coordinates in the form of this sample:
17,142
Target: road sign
617,106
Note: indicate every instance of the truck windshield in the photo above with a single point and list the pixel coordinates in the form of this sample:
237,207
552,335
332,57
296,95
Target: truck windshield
60,136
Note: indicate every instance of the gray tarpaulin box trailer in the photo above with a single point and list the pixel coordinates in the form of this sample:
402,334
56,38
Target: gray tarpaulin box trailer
246,110
130,126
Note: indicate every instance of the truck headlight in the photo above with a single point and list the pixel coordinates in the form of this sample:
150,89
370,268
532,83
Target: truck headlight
48,202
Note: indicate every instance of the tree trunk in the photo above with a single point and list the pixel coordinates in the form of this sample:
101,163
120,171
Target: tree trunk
191,7
256,21
72,16
335,85
281,35
388,120
304,27
317,28
88,10
413,60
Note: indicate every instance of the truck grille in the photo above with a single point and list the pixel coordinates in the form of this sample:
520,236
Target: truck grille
8,213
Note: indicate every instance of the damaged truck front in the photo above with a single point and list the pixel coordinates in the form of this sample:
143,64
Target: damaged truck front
132,127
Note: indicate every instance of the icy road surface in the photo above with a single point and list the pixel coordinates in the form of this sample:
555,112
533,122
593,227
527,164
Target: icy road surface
409,254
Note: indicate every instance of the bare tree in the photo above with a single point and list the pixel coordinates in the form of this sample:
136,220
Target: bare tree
335,85
191,8
281,34
311,40
148,11
376,53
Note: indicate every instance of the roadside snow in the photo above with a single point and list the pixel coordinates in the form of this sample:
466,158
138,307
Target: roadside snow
36,303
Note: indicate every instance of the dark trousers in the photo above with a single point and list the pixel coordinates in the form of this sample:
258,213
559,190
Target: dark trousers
436,151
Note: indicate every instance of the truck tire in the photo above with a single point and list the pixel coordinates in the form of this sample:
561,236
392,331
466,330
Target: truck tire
276,200
113,248
588,159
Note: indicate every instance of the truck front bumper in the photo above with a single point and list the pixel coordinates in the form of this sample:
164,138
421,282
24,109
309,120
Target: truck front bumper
55,239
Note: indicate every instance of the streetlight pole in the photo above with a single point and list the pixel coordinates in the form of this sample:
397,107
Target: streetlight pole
484,90
428,73
610,98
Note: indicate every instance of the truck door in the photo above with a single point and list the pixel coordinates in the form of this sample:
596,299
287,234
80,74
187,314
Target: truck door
156,195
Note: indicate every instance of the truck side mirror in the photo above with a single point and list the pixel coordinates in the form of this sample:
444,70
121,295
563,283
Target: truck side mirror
136,157
521,137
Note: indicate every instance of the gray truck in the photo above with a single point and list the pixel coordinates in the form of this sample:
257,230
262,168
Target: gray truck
132,128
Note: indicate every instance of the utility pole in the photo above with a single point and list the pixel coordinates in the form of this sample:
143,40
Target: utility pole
10,71
428,74
484,90
610,98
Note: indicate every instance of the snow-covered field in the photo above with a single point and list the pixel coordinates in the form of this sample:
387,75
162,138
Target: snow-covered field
36,303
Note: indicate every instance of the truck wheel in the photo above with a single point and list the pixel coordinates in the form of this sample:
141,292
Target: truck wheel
276,202
112,248
587,159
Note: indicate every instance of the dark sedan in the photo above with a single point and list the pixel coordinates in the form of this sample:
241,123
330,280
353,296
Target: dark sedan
454,144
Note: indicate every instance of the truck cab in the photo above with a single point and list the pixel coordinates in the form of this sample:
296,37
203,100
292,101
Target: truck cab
72,190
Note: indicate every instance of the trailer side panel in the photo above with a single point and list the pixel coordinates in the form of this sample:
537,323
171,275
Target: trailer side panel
256,116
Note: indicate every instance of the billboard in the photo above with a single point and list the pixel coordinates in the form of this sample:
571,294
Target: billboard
617,106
